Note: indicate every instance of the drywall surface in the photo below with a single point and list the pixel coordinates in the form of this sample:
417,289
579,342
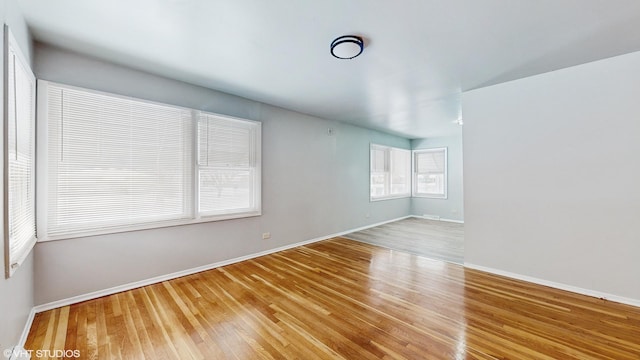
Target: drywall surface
313,185
16,293
551,175
451,208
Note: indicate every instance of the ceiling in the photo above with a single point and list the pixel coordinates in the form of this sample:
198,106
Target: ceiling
419,55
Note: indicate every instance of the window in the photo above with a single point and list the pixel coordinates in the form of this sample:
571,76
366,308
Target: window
430,173
116,164
390,172
227,165
19,151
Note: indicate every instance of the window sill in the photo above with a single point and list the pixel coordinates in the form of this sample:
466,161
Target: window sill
426,196
150,226
394,197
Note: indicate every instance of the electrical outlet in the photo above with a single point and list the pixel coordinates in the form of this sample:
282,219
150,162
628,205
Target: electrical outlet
266,236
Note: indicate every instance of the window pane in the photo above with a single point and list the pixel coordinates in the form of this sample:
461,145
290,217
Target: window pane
20,157
378,184
430,172
390,172
225,191
115,162
225,142
401,172
228,166
430,184
378,160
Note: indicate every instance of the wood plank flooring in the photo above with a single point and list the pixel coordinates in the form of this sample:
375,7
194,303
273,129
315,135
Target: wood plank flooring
342,299
431,238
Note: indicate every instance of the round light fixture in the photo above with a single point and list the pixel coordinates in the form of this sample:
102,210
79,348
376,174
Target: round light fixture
347,47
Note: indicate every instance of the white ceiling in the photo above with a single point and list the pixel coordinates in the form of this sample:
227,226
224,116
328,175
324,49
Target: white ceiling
419,56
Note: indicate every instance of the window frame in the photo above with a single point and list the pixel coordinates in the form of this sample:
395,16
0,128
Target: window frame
256,172
388,166
414,187
194,217
11,47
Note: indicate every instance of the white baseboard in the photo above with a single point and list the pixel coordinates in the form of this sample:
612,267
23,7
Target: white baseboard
452,221
437,218
571,288
27,327
161,278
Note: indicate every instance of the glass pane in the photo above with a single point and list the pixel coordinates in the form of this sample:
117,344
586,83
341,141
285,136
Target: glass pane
377,184
225,191
400,172
430,184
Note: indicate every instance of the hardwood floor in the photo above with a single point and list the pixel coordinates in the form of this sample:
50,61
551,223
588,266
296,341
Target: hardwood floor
431,238
342,299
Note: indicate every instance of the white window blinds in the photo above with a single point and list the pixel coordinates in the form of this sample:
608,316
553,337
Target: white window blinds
227,165
379,171
430,173
20,156
390,171
112,163
115,162
400,171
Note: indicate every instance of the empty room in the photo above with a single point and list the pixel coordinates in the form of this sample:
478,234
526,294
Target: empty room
217,179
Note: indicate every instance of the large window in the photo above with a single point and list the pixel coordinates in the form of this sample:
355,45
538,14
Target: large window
19,152
117,164
430,173
390,172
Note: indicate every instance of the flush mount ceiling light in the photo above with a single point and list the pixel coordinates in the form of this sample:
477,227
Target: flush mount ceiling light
347,47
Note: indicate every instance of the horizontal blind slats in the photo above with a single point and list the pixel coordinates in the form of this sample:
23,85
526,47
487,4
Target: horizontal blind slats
377,160
400,171
226,159
224,142
20,157
430,169
430,162
116,162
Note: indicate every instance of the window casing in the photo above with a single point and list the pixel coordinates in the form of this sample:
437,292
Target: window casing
430,173
19,152
390,172
114,164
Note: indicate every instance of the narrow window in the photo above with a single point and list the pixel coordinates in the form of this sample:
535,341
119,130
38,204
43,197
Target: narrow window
430,173
228,165
19,151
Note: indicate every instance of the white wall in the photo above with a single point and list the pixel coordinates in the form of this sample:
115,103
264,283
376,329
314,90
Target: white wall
313,185
16,293
551,174
451,208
